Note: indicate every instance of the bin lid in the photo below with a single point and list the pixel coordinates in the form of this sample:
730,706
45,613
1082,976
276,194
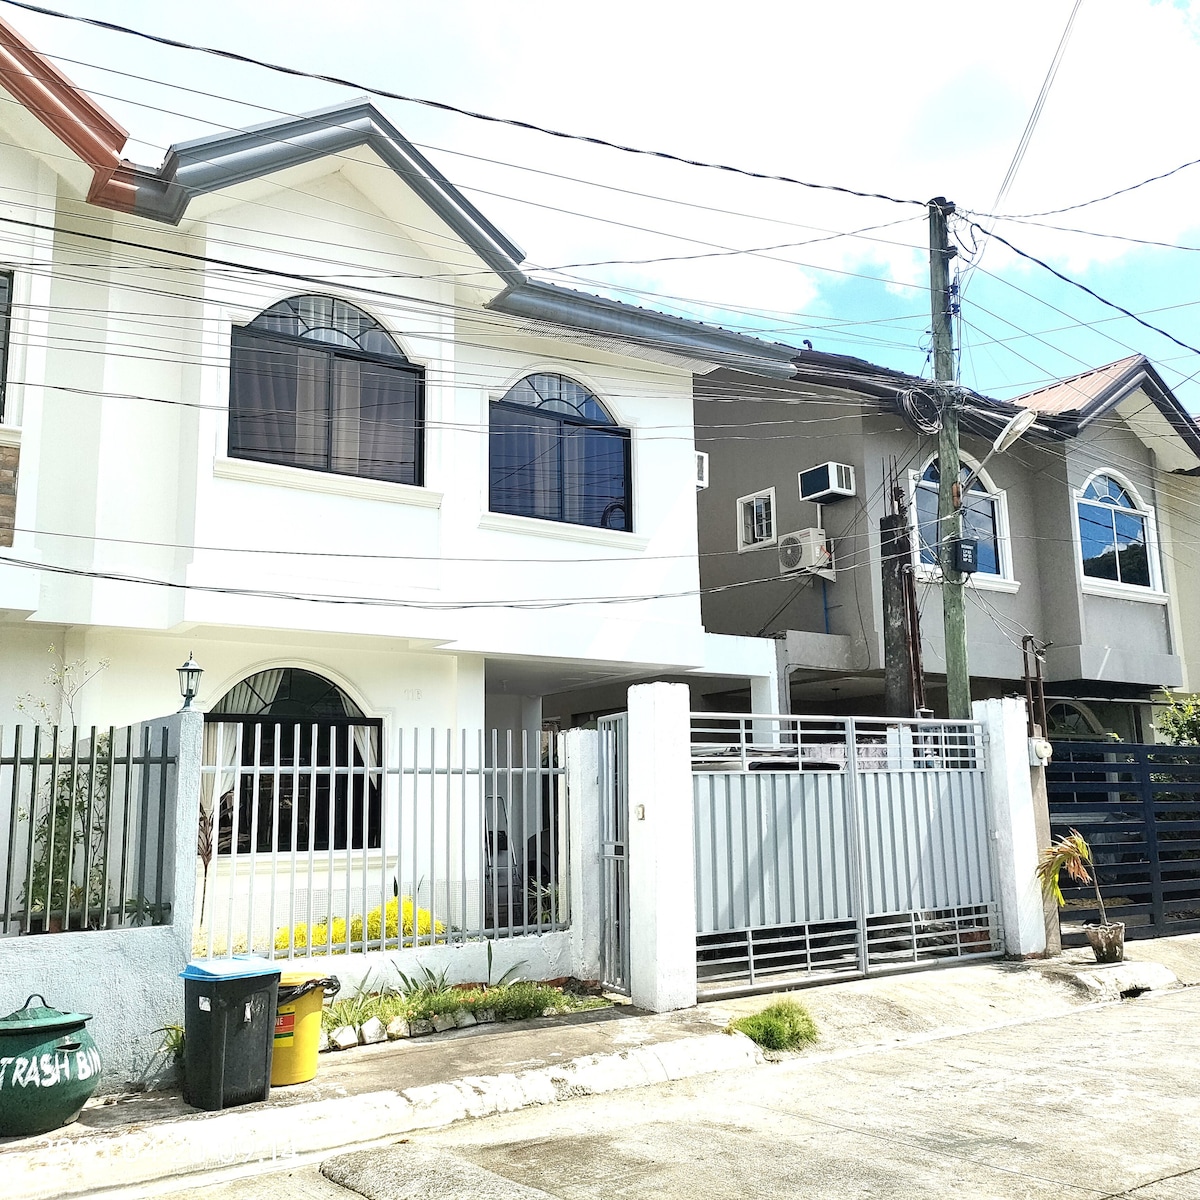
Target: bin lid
39,1016
228,968
295,976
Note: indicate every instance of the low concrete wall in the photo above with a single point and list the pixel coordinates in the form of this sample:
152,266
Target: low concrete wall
536,956
127,978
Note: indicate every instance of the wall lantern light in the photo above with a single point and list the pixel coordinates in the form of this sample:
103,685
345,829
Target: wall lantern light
189,681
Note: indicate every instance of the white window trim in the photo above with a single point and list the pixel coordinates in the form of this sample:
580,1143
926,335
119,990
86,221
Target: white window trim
249,470
562,531
1006,580
1091,586
742,544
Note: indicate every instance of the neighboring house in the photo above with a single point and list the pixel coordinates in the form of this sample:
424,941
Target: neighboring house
1078,529
293,368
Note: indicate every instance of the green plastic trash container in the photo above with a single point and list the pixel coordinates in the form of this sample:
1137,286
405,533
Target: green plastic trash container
228,1031
49,1066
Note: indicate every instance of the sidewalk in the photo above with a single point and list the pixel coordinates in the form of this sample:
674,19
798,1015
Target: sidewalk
375,1093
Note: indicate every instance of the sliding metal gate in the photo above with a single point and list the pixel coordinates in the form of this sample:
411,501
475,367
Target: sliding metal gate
833,847
614,861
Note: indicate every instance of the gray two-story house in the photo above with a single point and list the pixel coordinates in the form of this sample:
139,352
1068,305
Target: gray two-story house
1081,530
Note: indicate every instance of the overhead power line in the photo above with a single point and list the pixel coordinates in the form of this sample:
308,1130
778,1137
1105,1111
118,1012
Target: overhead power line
1083,287
444,106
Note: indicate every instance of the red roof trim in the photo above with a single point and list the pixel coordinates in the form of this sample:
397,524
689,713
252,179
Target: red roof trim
70,115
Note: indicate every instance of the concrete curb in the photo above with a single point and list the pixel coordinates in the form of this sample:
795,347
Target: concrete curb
53,1167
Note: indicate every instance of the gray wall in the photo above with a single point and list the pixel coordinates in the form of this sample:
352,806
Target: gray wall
761,434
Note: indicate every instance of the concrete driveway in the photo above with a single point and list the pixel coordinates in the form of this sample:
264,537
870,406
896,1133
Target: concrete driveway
1098,1102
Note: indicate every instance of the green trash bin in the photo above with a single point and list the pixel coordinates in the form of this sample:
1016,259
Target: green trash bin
228,1031
49,1066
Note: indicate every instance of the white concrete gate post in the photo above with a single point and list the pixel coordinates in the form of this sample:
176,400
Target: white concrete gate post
662,888
1011,801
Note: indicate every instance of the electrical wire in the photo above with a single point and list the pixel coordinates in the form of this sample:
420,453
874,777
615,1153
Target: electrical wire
443,106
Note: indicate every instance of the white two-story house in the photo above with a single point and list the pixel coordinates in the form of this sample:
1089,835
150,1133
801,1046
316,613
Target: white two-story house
288,402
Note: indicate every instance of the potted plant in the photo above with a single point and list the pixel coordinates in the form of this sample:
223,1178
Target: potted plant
1073,855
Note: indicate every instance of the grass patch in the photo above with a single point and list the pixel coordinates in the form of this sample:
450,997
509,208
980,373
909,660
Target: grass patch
784,1025
423,998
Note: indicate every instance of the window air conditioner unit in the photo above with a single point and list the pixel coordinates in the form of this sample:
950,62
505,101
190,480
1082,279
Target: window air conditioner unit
827,483
806,552
701,469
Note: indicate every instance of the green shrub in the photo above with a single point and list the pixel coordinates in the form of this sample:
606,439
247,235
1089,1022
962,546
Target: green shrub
784,1025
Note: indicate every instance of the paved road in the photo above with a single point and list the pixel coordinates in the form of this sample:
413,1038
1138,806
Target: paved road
1096,1103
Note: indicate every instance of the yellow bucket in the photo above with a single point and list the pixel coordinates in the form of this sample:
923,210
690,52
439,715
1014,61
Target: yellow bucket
298,1025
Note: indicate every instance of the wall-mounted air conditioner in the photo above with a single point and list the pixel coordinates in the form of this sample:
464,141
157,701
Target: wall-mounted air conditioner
806,552
701,469
827,483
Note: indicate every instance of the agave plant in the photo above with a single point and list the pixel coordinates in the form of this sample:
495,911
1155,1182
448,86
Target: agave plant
1073,855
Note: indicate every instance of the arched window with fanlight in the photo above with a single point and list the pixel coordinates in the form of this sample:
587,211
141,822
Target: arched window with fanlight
557,454
984,518
319,384
291,764
1115,534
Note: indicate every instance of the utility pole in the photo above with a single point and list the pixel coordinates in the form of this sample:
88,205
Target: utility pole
903,681
958,680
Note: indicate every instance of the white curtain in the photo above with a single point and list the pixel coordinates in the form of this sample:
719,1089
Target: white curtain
252,696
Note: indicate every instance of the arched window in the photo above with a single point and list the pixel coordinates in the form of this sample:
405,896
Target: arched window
556,454
982,519
294,764
320,384
1114,534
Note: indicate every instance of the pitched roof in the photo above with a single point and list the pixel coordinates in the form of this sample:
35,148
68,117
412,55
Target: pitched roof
1071,405
1079,393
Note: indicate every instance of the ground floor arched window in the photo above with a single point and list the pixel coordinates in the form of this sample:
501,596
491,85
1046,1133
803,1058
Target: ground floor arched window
295,765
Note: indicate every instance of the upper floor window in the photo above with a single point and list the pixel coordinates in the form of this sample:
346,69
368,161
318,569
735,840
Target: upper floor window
555,453
983,519
6,286
1114,534
756,520
319,384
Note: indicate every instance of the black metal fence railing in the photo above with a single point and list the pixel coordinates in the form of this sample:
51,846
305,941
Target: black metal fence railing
85,827
1138,806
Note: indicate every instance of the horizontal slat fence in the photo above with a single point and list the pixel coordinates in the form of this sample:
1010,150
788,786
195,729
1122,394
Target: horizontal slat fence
85,828
1138,806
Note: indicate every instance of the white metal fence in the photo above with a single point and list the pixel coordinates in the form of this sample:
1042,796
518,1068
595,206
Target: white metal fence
838,845
85,828
322,838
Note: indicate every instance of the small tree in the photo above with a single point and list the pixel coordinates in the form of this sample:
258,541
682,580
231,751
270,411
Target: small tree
1073,855
1180,720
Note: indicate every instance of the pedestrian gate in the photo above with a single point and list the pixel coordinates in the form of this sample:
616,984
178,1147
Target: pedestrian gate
828,847
614,861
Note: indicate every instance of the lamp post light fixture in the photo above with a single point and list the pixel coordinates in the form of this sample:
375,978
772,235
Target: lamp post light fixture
189,681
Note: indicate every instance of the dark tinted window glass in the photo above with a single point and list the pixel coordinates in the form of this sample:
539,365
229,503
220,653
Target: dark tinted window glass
375,431
1098,540
1132,562
278,403
548,460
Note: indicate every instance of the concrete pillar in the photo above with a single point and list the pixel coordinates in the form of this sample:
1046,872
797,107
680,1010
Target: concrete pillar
583,809
186,734
1041,820
662,890
1014,824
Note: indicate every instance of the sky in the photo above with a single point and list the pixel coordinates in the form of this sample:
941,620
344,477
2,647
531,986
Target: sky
887,96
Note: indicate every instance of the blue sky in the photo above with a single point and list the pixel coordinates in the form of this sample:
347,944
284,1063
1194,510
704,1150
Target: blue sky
880,95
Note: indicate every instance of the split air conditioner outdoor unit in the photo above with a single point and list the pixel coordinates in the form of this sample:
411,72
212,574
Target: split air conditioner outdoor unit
701,469
827,483
806,552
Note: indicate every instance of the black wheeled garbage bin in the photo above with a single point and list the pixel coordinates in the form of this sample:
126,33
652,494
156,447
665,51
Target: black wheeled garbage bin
228,1031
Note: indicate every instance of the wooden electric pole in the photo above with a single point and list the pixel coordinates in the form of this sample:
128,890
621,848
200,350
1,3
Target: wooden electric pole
958,680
